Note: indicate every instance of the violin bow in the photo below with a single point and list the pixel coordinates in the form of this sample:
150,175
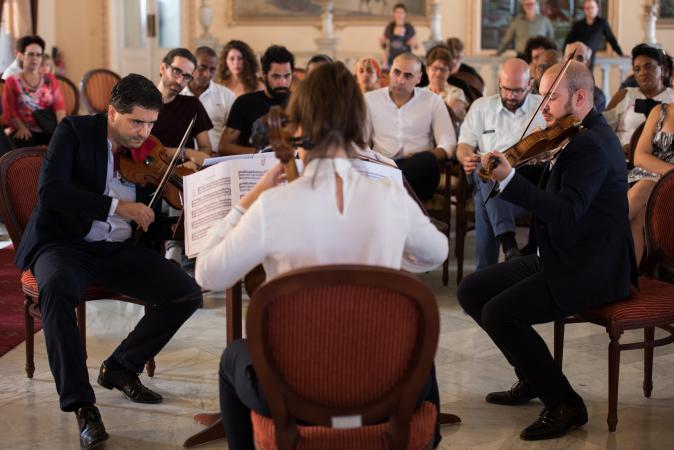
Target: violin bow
546,97
167,174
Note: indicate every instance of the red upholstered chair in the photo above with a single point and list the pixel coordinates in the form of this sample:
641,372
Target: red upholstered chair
19,172
96,86
651,307
70,94
346,348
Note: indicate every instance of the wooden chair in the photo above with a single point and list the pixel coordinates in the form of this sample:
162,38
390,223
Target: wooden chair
346,348
96,86
634,140
651,307
19,172
70,94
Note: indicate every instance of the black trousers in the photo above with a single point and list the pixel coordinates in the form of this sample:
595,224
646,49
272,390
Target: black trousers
506,300
240,393
422,172
64,271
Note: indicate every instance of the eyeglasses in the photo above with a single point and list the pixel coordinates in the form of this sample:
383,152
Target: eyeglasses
177,73
517,91
441,69
33,55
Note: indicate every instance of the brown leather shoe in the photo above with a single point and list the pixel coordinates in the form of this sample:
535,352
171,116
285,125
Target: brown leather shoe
127,382
520,393
92,430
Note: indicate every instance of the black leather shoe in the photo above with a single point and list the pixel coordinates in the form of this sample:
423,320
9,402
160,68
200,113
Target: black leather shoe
555,422
92,430
520,393
127,382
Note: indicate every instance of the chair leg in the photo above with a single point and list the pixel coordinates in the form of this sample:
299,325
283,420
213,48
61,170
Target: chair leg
559,342
649,336
29,329
150,366
445,272
82,325
613,376
459,237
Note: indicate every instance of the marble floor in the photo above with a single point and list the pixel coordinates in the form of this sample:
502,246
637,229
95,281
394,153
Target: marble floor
468,366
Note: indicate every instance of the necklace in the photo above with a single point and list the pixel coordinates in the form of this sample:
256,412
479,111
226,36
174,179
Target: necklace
31,86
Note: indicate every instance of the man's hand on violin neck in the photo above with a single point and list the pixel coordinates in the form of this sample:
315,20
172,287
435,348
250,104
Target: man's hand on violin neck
140,213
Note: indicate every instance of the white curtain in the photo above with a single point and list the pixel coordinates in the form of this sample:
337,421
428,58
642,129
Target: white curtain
16,22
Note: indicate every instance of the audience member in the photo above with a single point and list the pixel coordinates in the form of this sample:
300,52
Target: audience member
399,35
316,61
537,45
379,220
456,48
238,68
367,74
411,125
623,112
584,55
437,68
653,157
525,26
32,102
496,123
216,98
540,64
47,65
16,67
591,30
277,72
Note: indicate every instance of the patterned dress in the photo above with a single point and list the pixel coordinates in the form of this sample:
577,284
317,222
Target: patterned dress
662,149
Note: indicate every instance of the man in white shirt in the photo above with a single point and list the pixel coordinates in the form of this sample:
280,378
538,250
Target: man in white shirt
216,98
411,125
497,123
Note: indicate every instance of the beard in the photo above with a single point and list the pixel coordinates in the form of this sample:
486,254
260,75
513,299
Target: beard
280,95
512,105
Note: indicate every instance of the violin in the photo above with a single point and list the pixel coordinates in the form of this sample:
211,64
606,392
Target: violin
281,140
148,164
539,147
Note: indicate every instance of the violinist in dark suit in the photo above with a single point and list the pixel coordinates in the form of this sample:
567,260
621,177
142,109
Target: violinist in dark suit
80,232
585,254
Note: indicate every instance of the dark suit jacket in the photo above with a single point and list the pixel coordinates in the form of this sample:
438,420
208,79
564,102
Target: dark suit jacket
581,219
71,186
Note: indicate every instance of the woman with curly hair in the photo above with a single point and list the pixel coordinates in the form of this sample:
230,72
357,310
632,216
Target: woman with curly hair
238,68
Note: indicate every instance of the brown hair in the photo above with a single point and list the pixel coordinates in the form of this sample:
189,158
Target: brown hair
330,109
250,65
454,45
439,53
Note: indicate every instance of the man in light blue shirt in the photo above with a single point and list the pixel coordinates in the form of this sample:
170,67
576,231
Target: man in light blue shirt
497,123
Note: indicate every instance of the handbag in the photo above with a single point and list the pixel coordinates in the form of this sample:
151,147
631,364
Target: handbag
45,119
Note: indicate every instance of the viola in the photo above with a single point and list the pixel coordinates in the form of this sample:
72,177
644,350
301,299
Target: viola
538,147
148,164
281,140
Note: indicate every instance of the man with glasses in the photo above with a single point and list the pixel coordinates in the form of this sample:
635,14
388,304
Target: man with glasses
411,125
584,55
277,70
497,123
216,98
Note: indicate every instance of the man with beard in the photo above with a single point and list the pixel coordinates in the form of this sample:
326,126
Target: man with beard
585,254
411,125
176,72
496,123
81,232
277,70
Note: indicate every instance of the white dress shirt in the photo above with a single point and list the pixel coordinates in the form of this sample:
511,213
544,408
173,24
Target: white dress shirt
421,124
490,126
115,228
217,100
624,120
299,225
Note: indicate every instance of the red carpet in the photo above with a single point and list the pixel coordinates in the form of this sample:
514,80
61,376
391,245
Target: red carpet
11,303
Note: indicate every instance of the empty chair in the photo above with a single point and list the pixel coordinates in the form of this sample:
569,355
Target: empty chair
95,87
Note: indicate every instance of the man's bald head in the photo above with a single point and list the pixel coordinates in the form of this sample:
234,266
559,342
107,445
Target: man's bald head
577,76
583,52
513,83
514,69
409,58
575,91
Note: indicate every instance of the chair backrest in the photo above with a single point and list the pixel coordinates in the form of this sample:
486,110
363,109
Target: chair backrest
660,224
19,173
96,86
342,341
634,140
70,94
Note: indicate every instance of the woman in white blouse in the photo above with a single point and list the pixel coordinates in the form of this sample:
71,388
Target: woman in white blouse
330,215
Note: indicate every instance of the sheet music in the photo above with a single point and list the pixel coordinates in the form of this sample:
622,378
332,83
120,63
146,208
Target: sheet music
211,193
